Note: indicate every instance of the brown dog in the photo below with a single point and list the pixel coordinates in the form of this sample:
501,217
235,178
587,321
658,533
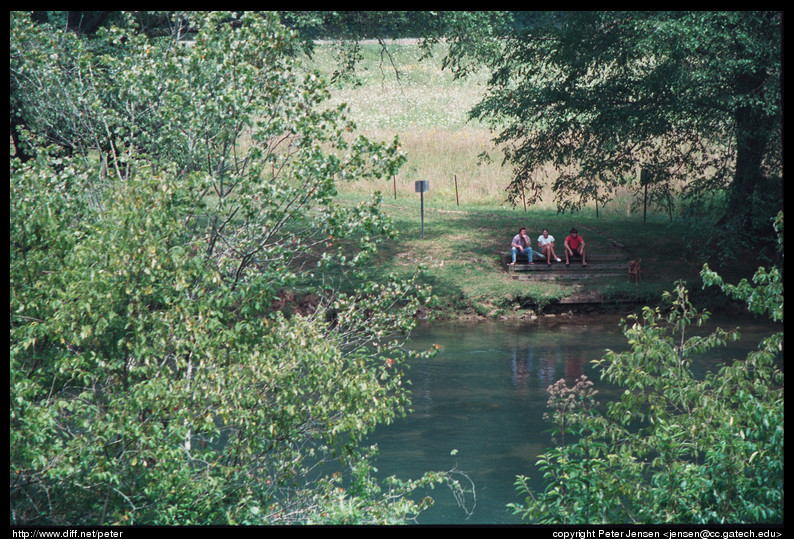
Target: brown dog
634,270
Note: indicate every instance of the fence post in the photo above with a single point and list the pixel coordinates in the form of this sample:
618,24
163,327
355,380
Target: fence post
421,186
645,179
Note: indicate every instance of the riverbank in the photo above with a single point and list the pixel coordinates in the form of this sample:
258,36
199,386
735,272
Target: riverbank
460,257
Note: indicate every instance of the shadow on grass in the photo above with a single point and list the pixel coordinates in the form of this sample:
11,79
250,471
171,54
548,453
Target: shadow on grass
459,255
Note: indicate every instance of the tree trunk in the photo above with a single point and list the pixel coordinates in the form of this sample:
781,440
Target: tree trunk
86,22
752,135
20,149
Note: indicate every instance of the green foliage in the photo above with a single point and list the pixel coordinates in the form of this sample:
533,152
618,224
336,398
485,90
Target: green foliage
469,33
584,99
153,379
672,448
766,298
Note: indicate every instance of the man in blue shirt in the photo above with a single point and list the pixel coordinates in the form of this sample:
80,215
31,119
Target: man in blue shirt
521,245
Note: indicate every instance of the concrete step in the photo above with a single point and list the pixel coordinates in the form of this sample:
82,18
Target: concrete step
590,298
569,276
507,255
599,266
575,267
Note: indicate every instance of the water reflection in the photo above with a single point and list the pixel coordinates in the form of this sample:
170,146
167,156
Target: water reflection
530,364
483,398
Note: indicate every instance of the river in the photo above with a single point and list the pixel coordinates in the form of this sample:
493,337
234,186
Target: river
479,404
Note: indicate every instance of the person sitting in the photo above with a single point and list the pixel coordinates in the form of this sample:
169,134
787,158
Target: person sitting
521,245
574,245
546,244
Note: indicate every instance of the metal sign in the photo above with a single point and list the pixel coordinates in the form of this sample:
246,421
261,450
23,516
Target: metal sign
421,187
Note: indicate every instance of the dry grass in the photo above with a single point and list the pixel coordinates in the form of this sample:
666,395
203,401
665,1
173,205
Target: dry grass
442,157
452,161
428,110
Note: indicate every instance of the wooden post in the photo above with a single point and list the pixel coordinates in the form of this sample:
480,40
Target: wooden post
645,179
670,206
394,181
645,205
456,190
422,206
421,186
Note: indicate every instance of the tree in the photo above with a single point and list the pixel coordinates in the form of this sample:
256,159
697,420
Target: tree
587,98
672,448
170,193
468,33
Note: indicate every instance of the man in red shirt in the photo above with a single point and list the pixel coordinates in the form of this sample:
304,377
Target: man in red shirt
574,245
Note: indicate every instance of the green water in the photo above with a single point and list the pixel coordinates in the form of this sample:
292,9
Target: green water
483,398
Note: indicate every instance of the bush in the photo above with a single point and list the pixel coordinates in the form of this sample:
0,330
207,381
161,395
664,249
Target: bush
673,448
152,380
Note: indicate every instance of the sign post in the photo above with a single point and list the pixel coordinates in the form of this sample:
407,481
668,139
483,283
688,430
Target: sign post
645,179
421,186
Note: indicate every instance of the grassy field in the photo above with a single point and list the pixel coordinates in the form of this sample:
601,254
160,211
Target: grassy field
467,219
